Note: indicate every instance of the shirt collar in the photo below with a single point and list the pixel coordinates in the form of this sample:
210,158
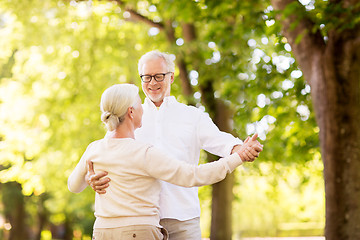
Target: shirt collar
167,100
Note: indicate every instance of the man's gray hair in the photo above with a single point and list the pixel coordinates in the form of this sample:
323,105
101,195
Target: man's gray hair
169,60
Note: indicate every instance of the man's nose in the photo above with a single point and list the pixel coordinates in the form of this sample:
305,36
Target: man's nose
152,80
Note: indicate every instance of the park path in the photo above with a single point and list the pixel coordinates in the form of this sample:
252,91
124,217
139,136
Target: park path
286,238
280,238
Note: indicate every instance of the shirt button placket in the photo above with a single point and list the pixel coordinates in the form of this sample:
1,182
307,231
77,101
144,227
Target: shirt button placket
158,128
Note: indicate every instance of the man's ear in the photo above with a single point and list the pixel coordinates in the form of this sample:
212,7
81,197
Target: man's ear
172,78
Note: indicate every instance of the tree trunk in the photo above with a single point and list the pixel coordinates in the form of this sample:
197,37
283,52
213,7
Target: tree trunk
42,216
221,214
222,194
68,229
14,205
338,112
332,69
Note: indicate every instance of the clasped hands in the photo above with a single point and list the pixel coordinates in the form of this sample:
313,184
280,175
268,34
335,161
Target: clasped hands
250,149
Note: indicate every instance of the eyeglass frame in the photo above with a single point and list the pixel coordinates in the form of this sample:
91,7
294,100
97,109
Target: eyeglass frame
154,77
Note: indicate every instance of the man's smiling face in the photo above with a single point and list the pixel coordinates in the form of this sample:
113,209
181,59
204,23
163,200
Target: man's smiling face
156,91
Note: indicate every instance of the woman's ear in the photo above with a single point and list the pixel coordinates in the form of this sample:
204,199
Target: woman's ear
130,112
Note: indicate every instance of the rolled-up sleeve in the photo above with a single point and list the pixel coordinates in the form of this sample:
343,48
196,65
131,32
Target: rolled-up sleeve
212,139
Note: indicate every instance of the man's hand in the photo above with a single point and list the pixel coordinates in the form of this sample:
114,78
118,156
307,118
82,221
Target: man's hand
96,180
250,149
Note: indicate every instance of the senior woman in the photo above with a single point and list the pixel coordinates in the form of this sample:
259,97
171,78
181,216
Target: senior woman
130,207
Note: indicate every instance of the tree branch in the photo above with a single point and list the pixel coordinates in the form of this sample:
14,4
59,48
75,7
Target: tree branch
180,62
138,17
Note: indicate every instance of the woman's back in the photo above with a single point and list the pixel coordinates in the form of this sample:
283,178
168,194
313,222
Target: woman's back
133,194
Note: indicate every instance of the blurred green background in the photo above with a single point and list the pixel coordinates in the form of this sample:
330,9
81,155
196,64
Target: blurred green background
57,57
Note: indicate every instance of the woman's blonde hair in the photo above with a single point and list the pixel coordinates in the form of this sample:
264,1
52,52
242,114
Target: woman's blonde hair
115,102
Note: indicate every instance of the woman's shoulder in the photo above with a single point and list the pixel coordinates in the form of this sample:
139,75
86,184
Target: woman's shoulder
129,144
141,144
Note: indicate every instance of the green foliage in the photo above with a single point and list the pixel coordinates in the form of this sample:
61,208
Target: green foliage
325,15
271,203
59,56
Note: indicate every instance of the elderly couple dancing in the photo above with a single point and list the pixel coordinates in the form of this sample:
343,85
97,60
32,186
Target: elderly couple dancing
146,170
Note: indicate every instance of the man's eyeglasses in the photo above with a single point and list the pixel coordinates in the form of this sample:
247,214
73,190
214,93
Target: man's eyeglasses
159,77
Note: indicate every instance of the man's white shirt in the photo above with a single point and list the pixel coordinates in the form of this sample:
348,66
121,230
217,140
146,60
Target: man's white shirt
182,131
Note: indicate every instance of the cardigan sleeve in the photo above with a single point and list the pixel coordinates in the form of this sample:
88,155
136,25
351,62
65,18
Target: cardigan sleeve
161,166
76,180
